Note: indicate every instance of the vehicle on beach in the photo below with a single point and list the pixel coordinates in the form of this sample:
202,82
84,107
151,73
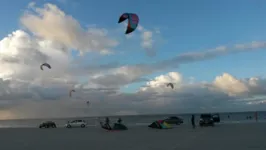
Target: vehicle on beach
76,124
47,124
206,120
173,120
216,117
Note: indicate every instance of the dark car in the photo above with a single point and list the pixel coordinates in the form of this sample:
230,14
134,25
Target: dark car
174,120
48,124
216,117
206,120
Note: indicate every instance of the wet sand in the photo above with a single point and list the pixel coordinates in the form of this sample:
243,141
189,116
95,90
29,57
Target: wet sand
220,137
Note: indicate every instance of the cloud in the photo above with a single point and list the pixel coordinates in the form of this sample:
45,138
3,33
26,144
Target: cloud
148,38
161,81
53,24
20,44
24,99
127,74
212,53
147,41
121,76
223,94
27,54
230,84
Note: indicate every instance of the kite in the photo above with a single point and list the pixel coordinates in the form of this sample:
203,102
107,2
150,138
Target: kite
45,64
133,21
170,84
70,93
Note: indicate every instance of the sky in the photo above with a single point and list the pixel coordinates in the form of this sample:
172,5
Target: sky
212,52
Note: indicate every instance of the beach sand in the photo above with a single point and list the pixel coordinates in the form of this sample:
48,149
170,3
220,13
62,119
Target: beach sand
183,137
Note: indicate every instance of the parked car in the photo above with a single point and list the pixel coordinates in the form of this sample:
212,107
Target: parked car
47,124
206,120
174,120
216,117
76,124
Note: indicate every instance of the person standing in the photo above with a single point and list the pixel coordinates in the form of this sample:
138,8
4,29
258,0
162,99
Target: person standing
193,121
119,120
107,121
256,116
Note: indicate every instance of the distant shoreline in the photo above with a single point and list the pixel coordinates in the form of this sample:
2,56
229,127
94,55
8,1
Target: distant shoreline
140,115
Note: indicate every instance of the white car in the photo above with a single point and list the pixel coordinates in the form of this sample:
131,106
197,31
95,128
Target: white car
76,124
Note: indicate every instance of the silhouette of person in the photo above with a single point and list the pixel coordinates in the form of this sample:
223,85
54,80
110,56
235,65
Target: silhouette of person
119,120
193,121
107,121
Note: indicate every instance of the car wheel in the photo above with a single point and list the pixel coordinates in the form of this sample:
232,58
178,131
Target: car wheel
68,126
82,126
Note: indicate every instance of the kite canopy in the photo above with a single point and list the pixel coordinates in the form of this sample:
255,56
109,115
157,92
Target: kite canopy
133,21
171,85
159,124
45,64
70,93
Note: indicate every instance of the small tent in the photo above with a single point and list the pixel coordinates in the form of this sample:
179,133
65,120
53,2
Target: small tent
159,124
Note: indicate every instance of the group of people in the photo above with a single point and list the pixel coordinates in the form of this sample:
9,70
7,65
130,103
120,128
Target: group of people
107,122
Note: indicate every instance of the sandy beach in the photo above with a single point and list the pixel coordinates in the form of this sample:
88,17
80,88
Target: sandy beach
220,137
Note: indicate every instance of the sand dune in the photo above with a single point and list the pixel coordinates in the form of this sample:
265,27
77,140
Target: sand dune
220,137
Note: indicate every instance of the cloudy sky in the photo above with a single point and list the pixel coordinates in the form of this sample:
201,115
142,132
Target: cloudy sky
212,52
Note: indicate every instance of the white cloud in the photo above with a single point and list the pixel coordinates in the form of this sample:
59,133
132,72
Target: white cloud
140,28
51,23
147,39
135,73
230,84
121,76
223,93
160,82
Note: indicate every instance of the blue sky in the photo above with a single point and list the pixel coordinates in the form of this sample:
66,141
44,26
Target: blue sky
185,26
197,39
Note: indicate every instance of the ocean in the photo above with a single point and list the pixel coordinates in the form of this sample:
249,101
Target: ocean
137,120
